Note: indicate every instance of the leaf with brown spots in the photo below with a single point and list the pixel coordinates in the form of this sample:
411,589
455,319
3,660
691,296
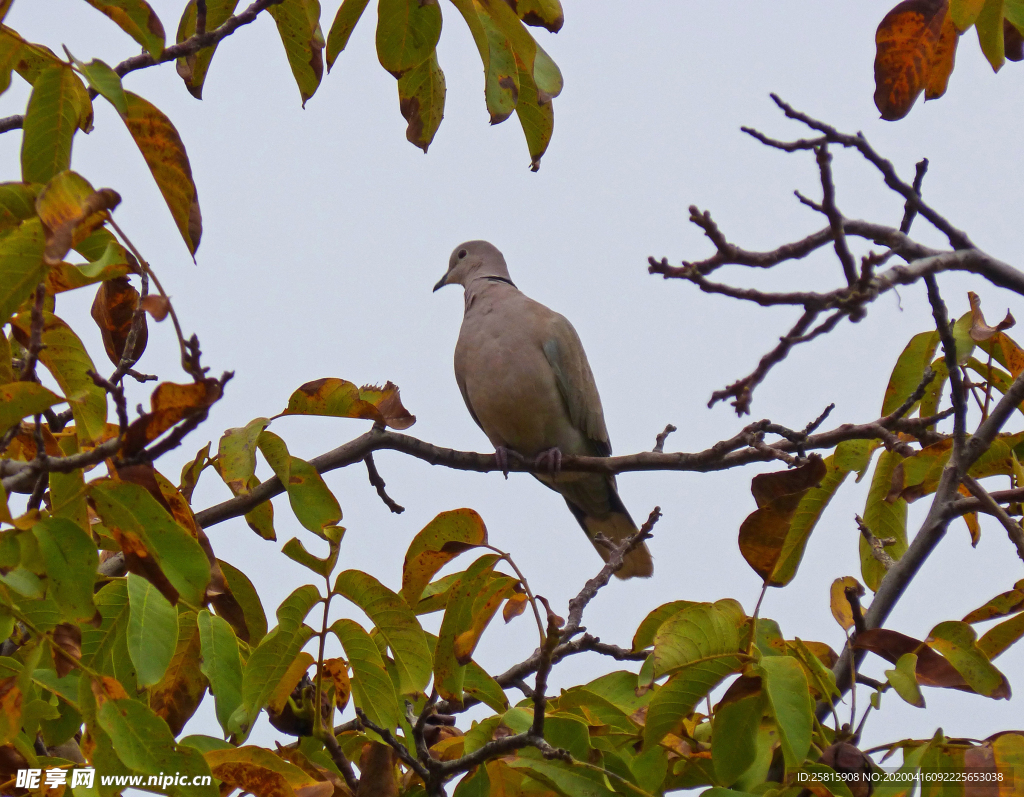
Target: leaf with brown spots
137,19
340,398
170,403
1001,605
113,310
341,29
70,211
484,607
179,692
377,767
421,93
915,50
11,699
840,604
264,774
298,25
191,471
765,533
440,541
67,638
336,671
540,13
66,358
501,81
161,146
193,68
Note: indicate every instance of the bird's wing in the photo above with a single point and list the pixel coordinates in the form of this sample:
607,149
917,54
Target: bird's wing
568,361
460,378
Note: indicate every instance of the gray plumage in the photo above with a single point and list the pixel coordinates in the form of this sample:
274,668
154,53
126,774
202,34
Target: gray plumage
525,378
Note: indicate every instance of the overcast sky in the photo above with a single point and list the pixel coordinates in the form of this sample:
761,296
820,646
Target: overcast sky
324,231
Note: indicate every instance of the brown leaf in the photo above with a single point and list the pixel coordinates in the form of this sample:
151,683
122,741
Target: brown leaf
342,399
915,51
67,638
932,669
157,306
1013,42
764,532
70,211
170,403
377,771
113,310
981,331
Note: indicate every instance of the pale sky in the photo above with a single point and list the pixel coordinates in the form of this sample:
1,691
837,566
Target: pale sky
324,231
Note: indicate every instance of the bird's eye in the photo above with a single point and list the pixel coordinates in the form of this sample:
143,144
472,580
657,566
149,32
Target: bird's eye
462,253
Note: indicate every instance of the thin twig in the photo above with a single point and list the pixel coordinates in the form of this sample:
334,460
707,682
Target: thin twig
378,484
1013,528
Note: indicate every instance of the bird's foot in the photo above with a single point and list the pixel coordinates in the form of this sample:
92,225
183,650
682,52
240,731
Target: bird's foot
501,455
550,459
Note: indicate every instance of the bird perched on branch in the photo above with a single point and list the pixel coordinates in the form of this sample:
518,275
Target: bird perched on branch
527,383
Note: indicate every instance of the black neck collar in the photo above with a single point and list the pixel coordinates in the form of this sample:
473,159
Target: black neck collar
506,280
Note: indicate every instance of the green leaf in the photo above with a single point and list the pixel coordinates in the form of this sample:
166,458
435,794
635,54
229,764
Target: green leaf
691,682
66,358
956,642
785,687
164,152
565,779
568,733
137,519
105,82
644,636
734,729
696,633
458,616
296,551
541,13
480,685
21,399
909,370
421,93
441,540
964,12
236,454
885,520
221,664
137,19
312,502
989,25
59,105
904,680
372,689
245,593
17,203
341,29
98,643
396,624
71,561
152,630
21,265
407,33
998,638
536,115
269,662
193,68
183,686
501,75
298,24
145,744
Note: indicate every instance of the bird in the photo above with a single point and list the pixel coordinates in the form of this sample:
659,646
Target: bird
524,376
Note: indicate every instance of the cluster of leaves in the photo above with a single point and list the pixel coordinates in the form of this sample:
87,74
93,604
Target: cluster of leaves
916,46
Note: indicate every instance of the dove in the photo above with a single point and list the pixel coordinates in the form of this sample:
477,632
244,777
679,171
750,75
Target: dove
526,381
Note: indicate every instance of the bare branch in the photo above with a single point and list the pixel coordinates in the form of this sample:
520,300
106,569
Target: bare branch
659,441
378,485
1013,528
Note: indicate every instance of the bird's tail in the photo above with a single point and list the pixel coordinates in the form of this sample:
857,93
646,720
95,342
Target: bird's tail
611,519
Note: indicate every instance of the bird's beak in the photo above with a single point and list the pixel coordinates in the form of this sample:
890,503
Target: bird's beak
441,283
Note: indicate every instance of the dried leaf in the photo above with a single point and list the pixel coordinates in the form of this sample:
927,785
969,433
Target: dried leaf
916,47
113,310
